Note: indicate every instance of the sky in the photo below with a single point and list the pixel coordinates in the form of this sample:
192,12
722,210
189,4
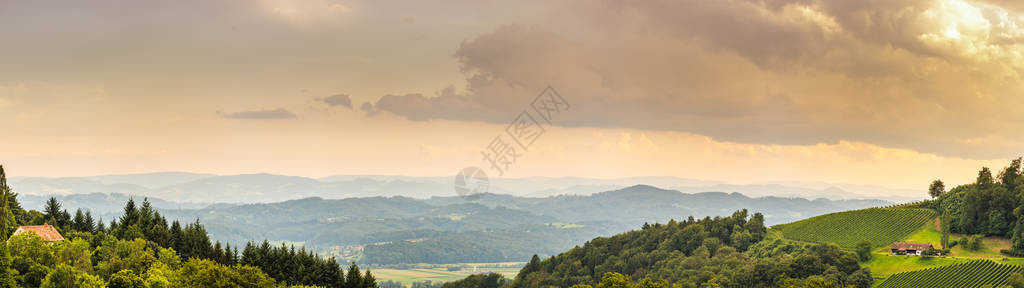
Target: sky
884,92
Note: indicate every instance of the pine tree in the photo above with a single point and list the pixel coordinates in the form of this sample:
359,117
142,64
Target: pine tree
64,222
369,281
145,213
353,279
945,230
131,214
100,226
218,253
89,225
5,215
78,223
176,236
51,211
533,266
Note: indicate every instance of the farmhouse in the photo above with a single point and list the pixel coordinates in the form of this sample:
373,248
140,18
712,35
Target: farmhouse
45,231
902,248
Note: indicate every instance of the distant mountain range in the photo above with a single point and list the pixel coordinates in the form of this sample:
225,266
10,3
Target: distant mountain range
267,188
401,229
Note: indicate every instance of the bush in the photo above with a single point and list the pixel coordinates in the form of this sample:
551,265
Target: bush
975,243
1012,253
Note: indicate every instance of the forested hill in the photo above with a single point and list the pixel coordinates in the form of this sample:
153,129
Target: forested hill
514,227
697,253
643,203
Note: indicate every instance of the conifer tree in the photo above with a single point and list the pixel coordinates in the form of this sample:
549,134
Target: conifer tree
100,226
353,279
51,211
89,225
369,281
5,215
78,223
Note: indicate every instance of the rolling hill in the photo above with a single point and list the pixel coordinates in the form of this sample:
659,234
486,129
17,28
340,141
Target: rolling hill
512,227
879,226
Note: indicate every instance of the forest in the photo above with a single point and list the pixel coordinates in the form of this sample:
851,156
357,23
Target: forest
140,249
993,205
708,252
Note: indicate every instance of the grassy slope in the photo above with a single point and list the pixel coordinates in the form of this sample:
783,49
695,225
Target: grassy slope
880,226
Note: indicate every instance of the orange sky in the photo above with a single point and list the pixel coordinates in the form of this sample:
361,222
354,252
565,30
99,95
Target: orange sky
892,93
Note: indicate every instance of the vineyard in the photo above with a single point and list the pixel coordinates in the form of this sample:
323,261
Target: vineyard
971,274
880,226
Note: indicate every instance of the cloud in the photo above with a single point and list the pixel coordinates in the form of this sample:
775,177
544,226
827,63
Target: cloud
368,108
305,12
930,75
337,100
279,113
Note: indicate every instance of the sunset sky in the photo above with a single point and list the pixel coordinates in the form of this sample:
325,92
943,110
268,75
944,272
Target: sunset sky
885,92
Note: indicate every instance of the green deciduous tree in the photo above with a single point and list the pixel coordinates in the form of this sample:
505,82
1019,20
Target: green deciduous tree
936,189
864,250
7,273
126,279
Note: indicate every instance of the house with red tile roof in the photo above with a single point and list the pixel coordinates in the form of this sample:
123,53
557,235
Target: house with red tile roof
903,248
47,232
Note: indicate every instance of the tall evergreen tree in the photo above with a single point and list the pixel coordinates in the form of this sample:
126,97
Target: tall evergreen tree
100,226
353,279
131,214
945,230
89,225
51,211
5,215
78,223
176,235
369,281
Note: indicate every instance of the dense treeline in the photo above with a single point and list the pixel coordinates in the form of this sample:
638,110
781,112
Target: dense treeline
492,280
302,267
711,252
140,249
992,205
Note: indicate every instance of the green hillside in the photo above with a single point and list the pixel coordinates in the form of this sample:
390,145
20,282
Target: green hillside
880,226
971,274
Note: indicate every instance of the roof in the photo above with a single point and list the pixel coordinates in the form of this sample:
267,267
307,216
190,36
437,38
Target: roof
911,246
45,231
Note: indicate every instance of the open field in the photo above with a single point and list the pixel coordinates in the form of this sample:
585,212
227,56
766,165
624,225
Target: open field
407,277
990,245
441,274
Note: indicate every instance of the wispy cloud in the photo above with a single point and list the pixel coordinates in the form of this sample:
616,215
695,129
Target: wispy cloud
336,100
279,113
